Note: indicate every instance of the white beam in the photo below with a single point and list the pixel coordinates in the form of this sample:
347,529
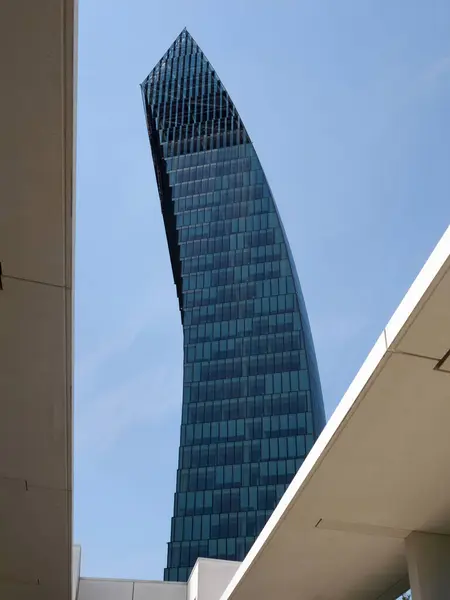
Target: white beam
377,472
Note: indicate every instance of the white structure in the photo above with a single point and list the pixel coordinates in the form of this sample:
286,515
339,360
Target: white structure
208,579
367,515
377,474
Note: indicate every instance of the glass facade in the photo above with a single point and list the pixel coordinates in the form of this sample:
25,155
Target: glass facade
252,402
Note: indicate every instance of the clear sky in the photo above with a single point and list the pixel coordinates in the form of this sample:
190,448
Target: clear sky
347,103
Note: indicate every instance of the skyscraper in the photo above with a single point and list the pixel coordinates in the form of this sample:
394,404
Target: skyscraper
252,402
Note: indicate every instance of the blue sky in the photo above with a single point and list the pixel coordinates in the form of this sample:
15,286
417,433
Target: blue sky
347,105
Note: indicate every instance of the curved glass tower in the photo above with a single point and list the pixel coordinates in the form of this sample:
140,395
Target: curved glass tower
252,402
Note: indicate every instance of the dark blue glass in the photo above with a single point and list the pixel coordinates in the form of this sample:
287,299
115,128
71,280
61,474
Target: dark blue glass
252,401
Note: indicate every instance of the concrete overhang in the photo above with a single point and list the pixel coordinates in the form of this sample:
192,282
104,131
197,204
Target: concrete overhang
378,472
37,114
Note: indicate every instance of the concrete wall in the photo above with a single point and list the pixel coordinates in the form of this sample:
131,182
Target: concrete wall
210,578
208,581
76,566
37,125
115,589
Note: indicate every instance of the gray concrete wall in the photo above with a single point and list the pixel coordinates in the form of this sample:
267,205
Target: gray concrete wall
115,589
208,581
